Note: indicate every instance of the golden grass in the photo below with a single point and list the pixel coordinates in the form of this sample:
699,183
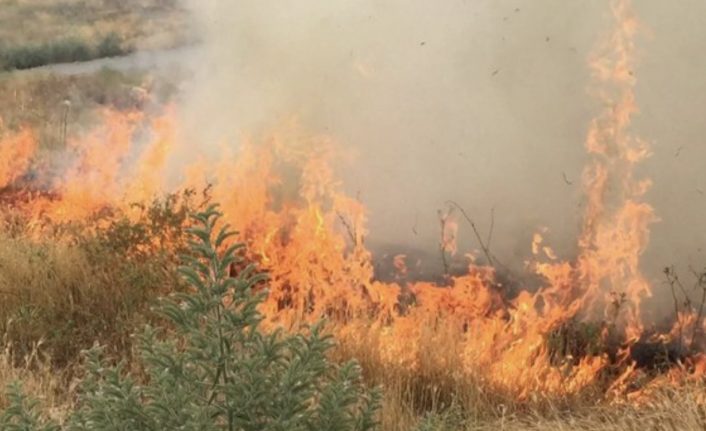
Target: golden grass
52,294
39,379
142,24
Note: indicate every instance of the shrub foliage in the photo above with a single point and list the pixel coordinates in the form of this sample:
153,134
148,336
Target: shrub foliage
61,51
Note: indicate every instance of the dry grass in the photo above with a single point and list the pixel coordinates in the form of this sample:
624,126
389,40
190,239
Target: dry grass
57,295
40,380
50,284
58,298
81,285
37,100
144,24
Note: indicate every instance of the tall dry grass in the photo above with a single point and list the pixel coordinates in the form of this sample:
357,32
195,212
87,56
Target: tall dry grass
55,388
68,287
37,100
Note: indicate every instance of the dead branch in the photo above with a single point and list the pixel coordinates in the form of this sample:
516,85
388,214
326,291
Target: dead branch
617,303
700,283
492,226
673,280
416,220
485,249
443,219
352,232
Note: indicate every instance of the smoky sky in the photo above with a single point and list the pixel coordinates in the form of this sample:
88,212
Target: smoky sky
483,102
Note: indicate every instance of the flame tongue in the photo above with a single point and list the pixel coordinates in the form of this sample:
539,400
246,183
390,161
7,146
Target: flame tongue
617,220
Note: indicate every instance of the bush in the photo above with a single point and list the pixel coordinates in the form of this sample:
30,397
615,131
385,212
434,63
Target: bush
216,369
61,51
111,46
95,281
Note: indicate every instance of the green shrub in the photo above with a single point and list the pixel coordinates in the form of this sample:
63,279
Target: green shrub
61,51
111,46
67,50
22,414
216,369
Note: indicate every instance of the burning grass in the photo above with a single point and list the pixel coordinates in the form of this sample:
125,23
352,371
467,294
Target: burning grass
87,251
462,345
420,358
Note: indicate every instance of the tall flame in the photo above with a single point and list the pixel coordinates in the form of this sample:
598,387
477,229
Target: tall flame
616,224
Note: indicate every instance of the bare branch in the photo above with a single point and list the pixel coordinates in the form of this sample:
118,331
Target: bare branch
352,233
416,220
700,283
443,219
492,226
485,249
672,280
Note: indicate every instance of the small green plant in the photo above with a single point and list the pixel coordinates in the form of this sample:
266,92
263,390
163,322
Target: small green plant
215,369
22,414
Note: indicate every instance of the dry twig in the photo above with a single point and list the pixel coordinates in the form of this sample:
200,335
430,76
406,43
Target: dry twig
483,246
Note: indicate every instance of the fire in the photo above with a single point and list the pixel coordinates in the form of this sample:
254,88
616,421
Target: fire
283,197
16,153
616,224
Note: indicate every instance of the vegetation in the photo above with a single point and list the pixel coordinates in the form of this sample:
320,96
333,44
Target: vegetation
61,51
73,30
215,369
203,356
200,359
83,285
38,100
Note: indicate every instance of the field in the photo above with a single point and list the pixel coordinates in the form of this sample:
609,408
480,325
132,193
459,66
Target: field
92,237
38,32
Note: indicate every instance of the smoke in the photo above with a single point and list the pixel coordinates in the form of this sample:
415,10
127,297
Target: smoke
482,102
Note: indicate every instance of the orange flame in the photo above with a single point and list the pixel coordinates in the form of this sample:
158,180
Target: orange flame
616,224
16,153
